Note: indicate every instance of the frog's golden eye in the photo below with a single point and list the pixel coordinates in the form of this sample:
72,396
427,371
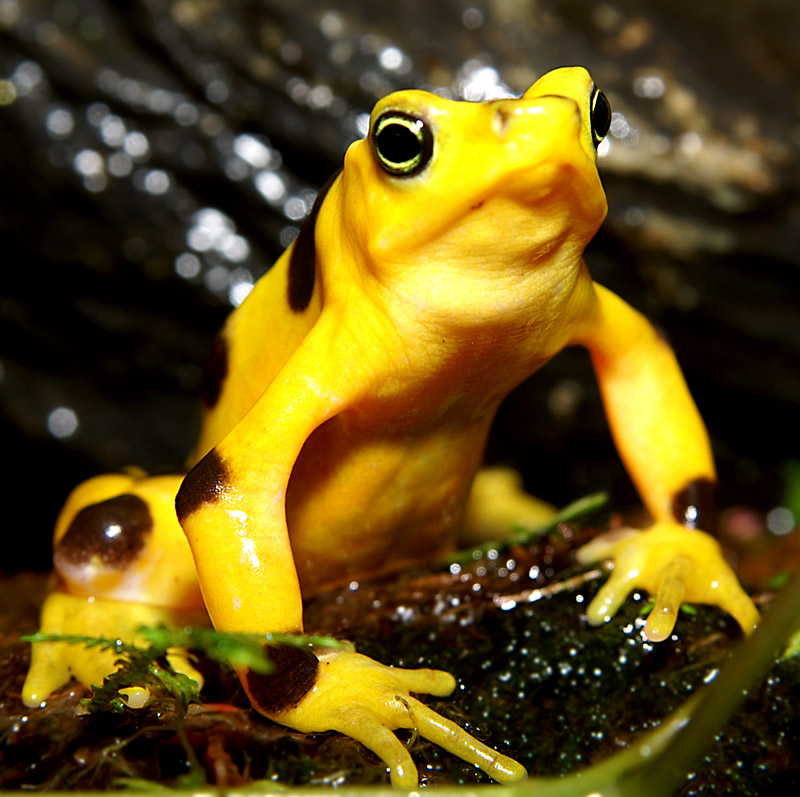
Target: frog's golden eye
600,115
403,143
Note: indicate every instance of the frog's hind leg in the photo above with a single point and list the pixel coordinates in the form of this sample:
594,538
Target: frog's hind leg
497,504
122,562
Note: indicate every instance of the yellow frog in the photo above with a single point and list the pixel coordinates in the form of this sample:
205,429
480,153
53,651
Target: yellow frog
348,405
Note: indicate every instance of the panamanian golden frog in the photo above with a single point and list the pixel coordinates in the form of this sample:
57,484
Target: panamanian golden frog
349,402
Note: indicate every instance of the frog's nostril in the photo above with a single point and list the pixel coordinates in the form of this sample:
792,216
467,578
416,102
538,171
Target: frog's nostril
500,121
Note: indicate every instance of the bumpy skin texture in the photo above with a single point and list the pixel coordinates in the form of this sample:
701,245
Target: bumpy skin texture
351,396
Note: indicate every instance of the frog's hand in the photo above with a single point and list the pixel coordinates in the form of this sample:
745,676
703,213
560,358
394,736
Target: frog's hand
675,565
53,663
367,701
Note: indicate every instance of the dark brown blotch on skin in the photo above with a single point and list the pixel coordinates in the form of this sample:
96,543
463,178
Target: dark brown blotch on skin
294,674
204,484
694,504
114,531
303,260
661,334
215,371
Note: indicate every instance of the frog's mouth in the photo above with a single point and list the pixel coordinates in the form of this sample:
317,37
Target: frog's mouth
543,154
556,192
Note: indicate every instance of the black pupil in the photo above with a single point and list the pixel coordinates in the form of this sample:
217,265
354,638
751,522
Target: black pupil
398,144
601,115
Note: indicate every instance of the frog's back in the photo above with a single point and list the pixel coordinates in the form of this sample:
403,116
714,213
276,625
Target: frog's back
260,335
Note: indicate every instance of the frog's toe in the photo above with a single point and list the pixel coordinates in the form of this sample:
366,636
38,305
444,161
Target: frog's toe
675,565
610,597
53,663
456,740
624,577
408,712
671,591
714,583
365,727
425,681
47,672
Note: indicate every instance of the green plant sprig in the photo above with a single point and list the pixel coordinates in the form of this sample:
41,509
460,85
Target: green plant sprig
525,535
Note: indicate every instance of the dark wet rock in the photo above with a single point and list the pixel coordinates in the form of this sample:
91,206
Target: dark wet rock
157,156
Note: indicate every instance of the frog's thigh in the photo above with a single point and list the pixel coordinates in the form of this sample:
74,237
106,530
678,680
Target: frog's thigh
118,538
123,562
497,503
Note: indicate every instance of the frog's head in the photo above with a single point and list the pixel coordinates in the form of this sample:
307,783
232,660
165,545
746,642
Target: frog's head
445,195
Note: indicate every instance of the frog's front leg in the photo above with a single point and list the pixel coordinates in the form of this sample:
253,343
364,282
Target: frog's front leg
232,508
663,442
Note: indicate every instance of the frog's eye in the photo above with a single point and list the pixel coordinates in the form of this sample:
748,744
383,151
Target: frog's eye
600,115
403,143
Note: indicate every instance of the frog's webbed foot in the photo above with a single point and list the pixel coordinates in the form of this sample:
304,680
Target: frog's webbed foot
53,663
367,701
675,565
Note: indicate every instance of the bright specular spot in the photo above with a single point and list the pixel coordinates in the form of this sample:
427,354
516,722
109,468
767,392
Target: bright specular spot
27,77
88,163
472,18
651,87
295,208
59,122
781,521
62,423
156,182
188,265
120,164
213,231
136,144
393,59
271,186
479,82
252,150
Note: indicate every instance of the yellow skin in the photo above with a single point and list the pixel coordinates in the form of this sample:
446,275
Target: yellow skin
351,420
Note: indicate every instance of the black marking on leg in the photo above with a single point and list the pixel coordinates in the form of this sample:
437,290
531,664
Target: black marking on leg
694,504
204,484
294,674
113,531
303,260
215,371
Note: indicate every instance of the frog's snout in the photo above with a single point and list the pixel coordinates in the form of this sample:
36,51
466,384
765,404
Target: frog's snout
539,118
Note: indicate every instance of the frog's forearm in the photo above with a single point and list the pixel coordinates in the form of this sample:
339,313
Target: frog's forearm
240,555
653,418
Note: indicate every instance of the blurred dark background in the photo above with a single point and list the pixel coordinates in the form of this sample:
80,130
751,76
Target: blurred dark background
156,156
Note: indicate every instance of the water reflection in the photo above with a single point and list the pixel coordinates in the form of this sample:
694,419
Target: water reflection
140,127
